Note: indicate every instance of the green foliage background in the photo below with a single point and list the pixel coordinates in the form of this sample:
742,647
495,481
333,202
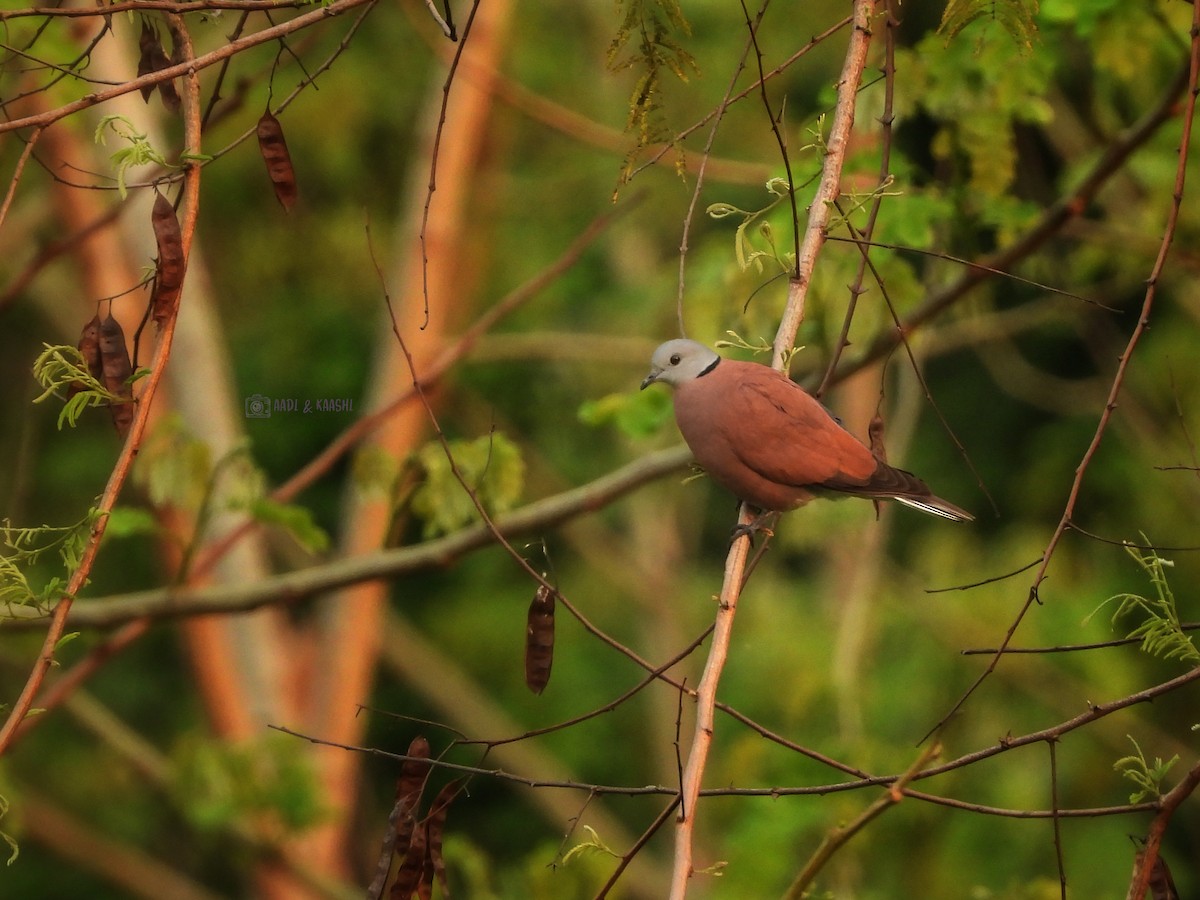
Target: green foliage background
989,132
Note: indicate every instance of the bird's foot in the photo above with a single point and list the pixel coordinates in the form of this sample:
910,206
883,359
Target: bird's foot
759,524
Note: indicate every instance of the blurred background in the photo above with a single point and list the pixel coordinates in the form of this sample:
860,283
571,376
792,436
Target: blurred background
156,774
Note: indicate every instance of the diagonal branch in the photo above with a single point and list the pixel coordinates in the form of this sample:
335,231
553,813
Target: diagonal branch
1143,322
150,384
289,587
735,564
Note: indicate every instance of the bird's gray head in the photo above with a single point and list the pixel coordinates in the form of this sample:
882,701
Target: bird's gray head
679,361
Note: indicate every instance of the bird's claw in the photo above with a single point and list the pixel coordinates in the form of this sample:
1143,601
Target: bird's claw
754,526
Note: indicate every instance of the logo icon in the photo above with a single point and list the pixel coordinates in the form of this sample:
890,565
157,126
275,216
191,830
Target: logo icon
258,406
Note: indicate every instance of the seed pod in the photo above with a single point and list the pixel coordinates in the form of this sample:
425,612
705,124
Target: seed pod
152,56
89,346
408,791
114,358
273,147
1161,883
168,278
539,639
436,825
408,877
166,89
402,820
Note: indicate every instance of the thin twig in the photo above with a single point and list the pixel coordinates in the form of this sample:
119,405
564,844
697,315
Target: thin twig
1143,322
717,116
1166,809
840,835
183,69
148,388
735,564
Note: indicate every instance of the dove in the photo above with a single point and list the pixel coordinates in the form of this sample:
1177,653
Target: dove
765,439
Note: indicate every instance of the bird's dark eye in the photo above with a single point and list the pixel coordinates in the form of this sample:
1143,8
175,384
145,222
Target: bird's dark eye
674,359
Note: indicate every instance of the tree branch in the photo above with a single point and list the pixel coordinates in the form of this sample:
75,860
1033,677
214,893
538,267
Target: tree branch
170,603
735,564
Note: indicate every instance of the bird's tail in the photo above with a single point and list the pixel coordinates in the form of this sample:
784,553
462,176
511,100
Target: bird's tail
936,506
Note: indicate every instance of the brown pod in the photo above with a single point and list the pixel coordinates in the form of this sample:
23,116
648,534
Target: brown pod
166,89
435,864
114,359
273,147
539,639
168,277
408,876
89,347
414,772
151,56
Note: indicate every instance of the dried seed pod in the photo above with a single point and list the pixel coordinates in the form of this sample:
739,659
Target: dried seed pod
539,639
273,147
166,89
1161,883
436,825
168,277
151,58
414,772
89,346
114,359
408,790
408,877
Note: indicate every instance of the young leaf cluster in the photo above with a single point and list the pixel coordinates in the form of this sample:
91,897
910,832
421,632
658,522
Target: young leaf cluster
60,367
649,23
139,152
1016,17
13,847
24,547
1147,777
1161,632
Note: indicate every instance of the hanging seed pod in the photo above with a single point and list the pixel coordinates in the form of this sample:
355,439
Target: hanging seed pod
151,56
435,864
539,639
1161,883
89,347
408,877
168,277
166,89
114,359
413,773
273,147
408,791
401,820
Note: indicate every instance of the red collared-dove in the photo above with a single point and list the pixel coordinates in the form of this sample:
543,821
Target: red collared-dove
763,437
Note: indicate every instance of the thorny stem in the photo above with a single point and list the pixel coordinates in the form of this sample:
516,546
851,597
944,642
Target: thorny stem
149,387
1149,856
735,564
1143,322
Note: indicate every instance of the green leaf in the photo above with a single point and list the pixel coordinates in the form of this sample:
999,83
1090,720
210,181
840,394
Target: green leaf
217,783
374,470
174,467
295,520
637,414
491,467
66,639
128,521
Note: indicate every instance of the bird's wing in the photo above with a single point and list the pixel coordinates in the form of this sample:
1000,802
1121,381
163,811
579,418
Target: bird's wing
785,435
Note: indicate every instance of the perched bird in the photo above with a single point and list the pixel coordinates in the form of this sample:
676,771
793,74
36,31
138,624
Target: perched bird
763,437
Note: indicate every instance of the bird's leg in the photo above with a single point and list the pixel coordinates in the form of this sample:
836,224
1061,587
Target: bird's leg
760,522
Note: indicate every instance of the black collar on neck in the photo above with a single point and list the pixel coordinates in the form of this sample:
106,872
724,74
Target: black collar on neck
710,368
